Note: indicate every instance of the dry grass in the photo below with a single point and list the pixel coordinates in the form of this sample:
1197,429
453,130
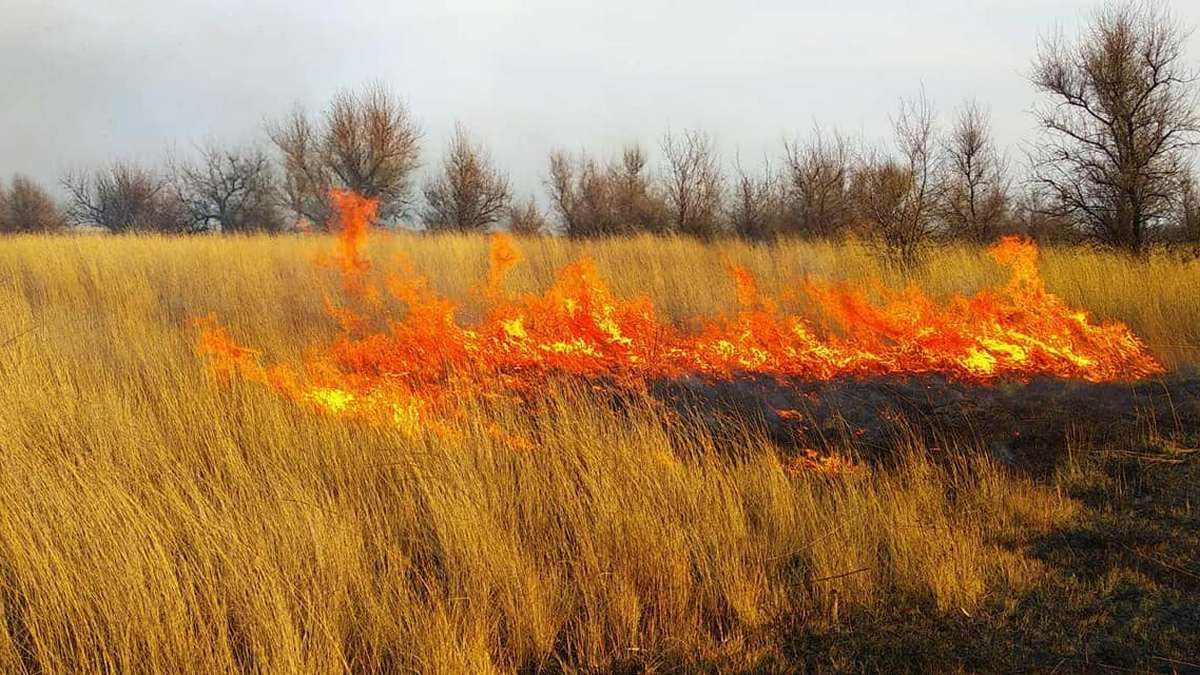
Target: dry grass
155,522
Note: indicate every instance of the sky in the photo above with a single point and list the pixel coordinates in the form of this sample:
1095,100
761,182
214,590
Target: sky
83,82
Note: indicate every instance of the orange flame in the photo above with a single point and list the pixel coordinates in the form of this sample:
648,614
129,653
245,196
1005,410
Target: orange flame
412,367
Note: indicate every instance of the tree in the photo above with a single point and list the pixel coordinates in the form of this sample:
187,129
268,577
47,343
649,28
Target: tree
1033,216
469,194
25,206
124,197
755,207
1187,214
1118,116
975,199
638,205
693,183
594,200
306,181
817,185
595,203
895,195
365,141
563,196
526,218
232,189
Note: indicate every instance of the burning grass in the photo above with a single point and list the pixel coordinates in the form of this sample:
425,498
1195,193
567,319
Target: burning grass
157,521
413,365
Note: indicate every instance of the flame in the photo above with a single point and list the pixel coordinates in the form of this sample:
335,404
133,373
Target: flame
809,461
353,216
414,367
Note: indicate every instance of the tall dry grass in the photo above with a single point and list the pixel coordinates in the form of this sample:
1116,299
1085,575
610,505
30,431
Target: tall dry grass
156,522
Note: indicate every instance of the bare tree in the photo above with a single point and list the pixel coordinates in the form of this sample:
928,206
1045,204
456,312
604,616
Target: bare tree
526,218
817,185
228,188
883,198
896,195
123,197
755,207
592,199
365,141
306,179
1119,114
469,193
1187,213
639,207
693,183
595,201
563,197
25,206
975,201
1033,216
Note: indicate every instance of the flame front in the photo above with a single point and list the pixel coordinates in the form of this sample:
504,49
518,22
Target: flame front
412,364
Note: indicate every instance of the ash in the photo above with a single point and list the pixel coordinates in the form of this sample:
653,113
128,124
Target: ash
1020,422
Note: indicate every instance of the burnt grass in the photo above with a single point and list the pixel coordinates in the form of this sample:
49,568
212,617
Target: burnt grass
1122,593
1030,425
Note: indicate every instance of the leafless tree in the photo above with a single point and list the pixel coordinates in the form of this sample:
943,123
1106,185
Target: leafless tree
25,206
1033,216
755,207
469,194
123,197
526,218
817,185
975,201
693,183
1119,112
563,197
229,188
896,195
306,179
365,141
595,201
592,199
883,198
639,207
1187,212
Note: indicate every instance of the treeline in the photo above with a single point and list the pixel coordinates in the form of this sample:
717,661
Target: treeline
1116,111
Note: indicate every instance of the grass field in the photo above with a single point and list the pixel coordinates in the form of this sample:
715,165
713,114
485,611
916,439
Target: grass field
156,521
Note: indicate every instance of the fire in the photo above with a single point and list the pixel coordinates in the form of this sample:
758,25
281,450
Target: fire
414,365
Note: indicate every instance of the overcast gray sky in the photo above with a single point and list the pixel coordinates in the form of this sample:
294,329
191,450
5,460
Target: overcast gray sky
86,81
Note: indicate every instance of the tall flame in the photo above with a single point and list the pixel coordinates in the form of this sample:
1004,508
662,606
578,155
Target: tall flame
403,365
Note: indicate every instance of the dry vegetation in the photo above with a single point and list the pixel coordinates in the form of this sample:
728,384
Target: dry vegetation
157,522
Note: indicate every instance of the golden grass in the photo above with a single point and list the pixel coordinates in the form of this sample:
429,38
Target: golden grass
156,522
